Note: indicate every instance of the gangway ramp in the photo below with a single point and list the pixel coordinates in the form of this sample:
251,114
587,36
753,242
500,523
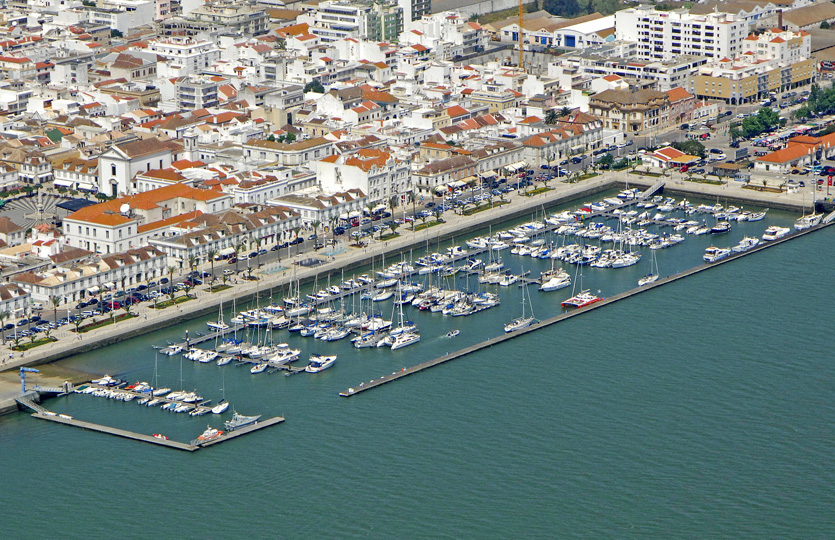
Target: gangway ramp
653,189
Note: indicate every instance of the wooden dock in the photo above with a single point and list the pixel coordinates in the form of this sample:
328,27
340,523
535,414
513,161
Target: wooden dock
374,383
168,443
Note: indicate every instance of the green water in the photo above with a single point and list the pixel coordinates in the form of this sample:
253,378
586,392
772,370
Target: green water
701,409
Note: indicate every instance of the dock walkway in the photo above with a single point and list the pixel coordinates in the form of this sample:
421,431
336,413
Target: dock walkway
374,383
168,443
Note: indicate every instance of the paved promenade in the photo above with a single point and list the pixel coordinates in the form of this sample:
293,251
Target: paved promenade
149,319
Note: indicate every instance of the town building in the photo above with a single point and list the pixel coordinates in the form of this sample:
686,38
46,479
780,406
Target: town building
631,112
373,171
665,35
128,222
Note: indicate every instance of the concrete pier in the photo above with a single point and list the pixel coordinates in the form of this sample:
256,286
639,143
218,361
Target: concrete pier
374,383
141,437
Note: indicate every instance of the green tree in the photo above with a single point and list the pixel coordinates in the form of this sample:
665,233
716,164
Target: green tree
735,133
238,249
56,301
690,147
115,33
562,8
565,111
607,161
551,116
211,254
290,137
314,86
171,291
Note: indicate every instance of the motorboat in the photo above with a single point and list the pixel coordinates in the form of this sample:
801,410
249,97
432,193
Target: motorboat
319,363
217,326
713,254
555,283
107,380
745,244
160,436
721,227
452,333
757,216
774,232
238,421
583,299
173,350
807,222
209,435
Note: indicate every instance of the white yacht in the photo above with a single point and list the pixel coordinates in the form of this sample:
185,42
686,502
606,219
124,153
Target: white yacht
774,232
319,363
259,368
745,244
713,254
555,283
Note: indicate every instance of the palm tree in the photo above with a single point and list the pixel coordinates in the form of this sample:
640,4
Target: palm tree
55,301
258,250
192,262
211,254
393,225
238,249
565,111
3,316
551,116
171,291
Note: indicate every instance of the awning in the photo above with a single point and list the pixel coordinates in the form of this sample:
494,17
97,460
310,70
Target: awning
379,208
513,167
87,187
469,179
226,251
62,183
343,216
354,214
488,174
456,185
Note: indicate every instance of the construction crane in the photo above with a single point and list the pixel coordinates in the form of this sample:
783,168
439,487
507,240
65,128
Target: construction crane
521,37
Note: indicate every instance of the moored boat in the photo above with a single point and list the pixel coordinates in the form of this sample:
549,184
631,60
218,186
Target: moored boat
319,363
238,420
713,254
583,299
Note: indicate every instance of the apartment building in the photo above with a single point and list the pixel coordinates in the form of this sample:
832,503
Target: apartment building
666,35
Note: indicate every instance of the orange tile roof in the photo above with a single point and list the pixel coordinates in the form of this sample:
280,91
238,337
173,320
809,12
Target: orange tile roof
678,94
169,221
786,155
367,158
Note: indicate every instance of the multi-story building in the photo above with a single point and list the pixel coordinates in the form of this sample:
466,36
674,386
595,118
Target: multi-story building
315,206
572,69
447,34
78,279
384,21
334,20
665,35
374,171
288,154
129,222
413,10
184,55
219,17
631,112
123,15
77,173
774,61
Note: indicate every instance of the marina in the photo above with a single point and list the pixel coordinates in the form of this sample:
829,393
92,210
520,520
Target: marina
490,342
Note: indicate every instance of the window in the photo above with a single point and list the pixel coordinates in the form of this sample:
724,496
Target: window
113,169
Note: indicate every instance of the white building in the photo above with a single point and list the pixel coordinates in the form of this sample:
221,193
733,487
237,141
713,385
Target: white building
183,55
129,222
119,165
373,171
314,206
665,35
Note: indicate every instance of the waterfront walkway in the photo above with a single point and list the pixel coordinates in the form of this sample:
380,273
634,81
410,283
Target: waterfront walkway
518,205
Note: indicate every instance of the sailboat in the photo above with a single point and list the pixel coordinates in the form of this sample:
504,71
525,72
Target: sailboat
222,405
808,221
653,275
523,321
583,298
218,325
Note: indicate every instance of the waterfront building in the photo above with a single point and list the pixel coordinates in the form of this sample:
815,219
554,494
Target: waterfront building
127,222
222,233
314,206
78,278
373,171
14,300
